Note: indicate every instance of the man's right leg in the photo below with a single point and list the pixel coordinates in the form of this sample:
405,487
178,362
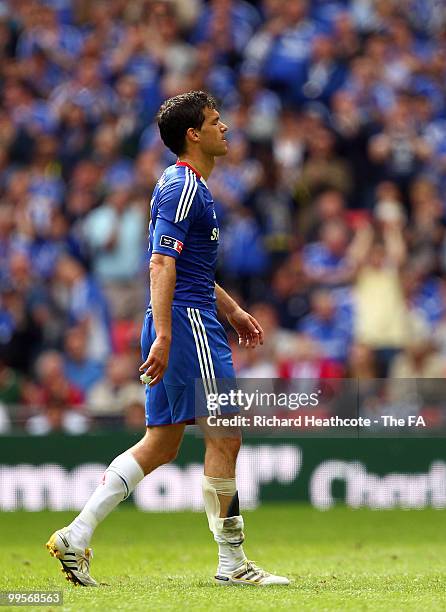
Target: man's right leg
159,446
70,544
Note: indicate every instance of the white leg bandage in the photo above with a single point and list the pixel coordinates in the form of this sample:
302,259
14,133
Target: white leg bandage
225,529
228,531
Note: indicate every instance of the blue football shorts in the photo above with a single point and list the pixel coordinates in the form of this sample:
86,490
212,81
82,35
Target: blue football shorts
200,363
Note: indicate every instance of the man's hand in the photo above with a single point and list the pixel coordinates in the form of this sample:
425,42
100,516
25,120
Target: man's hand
156,363
250,332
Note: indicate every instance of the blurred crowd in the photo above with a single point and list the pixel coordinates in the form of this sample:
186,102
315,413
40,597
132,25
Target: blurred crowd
330,200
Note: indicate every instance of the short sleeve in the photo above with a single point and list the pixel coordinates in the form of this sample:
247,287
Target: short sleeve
177,208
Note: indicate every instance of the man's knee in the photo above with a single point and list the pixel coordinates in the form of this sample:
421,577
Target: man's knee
168,455
163,454
229,447
233,445
153,453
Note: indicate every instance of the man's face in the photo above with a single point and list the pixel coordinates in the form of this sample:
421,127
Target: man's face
212,134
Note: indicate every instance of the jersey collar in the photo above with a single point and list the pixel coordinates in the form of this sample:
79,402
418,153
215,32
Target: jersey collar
183,163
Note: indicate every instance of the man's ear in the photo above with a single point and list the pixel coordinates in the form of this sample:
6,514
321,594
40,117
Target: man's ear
193,134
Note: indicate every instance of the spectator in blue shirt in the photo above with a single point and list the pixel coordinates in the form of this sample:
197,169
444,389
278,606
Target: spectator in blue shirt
80,371
62,43
331,328
326,262
80,297
320,76
285,43
86,89
234,18
108,230
244,255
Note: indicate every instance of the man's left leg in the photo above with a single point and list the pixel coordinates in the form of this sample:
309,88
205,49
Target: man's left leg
223,512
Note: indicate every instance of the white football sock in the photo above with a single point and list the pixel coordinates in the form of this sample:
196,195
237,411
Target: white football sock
120,478
230,557
228,531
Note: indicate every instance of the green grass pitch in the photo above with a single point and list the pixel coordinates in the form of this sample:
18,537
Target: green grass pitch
338,560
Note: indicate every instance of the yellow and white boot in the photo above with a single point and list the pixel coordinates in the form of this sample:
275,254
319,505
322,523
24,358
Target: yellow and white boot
249,574
75,561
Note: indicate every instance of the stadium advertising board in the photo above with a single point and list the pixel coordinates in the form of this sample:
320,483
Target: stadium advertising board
45,472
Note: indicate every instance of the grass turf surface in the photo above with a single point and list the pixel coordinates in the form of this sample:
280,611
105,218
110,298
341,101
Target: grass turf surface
338,560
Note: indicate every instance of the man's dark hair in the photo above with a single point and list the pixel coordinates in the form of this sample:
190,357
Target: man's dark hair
180,113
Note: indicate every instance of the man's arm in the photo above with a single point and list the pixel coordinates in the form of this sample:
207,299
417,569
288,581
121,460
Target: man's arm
250,332
225,304
162,287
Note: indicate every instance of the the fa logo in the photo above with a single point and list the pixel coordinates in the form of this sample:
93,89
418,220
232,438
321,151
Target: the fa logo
215,234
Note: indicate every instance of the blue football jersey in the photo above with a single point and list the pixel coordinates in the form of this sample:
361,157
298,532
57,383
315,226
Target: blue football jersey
183,224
